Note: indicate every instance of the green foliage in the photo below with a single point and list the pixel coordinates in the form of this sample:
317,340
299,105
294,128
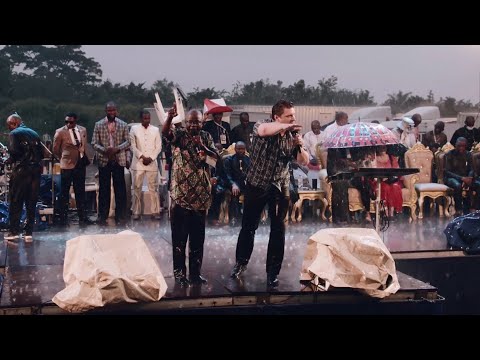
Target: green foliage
42,83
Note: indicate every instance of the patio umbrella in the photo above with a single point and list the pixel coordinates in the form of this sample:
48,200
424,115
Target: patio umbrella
360,134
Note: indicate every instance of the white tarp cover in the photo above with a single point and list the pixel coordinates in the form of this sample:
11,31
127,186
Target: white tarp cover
106,269
426,112
369,114
350,257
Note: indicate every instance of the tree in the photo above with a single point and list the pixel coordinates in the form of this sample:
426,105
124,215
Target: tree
397,101
165,91
430,97
5,77
66,62
197,97
260,92
326,90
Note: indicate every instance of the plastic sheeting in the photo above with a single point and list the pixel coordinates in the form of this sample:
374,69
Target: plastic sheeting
463,232
350,257
107,269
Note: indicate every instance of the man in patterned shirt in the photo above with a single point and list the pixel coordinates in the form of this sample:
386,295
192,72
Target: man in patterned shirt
190,190
276,142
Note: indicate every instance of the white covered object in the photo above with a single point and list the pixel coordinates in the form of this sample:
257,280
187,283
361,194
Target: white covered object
350,257
426,112
369,114
106,269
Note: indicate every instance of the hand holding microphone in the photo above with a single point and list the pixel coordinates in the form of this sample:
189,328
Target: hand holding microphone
199,146
297,139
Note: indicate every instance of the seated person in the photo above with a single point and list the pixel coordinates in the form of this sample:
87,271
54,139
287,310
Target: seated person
363,157
299,174
313,172
338,162
459,176
236,167
436,138
390,188
218,182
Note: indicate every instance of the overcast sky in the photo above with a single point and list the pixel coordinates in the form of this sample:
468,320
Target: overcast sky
449,70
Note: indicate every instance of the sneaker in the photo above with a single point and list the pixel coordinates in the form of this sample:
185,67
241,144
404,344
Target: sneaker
28,237
237,270
198,280
182,281
11,236
272,280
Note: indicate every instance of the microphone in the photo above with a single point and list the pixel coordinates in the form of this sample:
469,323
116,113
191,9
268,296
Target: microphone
294,135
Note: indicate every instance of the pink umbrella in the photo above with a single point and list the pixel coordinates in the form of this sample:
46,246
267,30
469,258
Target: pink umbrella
360,134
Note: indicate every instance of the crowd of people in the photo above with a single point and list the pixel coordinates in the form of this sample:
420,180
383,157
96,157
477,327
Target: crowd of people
251,165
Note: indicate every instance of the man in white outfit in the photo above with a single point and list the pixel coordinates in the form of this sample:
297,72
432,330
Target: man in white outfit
146,144
312,138
404,132
341,119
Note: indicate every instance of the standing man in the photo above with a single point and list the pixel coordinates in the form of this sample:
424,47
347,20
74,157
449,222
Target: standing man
417,120
26,152
341,119
190,190
220,130
244,131
468,132
69,146
312,138
276,142
146,144
110,141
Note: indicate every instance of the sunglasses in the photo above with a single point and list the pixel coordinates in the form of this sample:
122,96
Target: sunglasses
69,121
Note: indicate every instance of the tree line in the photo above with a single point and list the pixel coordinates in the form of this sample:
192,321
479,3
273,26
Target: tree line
42,83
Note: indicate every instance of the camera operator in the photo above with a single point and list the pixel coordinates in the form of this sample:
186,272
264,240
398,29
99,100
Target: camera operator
25,150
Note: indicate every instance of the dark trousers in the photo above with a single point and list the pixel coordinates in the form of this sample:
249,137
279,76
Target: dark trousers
77,176
470,201
340,208
187,224
217,198
105,174
235,207
24,188
255,201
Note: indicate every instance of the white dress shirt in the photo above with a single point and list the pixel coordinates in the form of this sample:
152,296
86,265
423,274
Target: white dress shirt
73,137
146,142
329,130
310,140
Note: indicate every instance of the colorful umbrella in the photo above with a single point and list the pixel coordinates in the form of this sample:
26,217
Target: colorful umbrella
360,134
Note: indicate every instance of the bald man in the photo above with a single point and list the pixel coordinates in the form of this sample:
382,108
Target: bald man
26,152
312,138
190,191
111,140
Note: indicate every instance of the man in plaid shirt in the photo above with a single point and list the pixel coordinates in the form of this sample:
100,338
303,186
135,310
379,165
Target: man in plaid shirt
111,140
276,142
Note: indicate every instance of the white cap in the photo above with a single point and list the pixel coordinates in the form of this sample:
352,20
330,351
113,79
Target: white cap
406,122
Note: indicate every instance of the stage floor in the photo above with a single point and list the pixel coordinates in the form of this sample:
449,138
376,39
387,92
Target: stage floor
31,273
